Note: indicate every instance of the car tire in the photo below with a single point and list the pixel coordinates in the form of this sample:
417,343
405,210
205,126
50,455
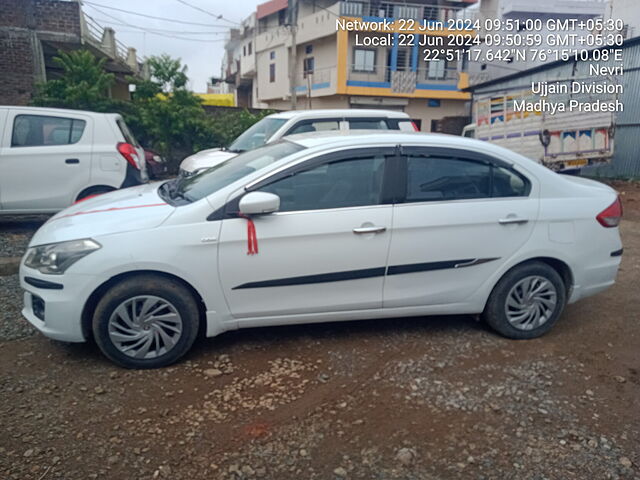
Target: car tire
146,321
526,302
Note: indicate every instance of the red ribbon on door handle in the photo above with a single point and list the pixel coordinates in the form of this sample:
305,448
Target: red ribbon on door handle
252,238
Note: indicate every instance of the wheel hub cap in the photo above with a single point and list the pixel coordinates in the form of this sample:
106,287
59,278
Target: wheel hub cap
145,327
531,302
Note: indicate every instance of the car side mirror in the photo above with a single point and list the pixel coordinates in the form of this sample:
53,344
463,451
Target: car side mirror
258,203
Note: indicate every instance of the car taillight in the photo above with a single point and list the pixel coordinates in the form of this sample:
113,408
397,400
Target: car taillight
610,216
128,151
415,127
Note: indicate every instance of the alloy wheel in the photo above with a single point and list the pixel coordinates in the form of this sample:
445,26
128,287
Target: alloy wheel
531,302
145,326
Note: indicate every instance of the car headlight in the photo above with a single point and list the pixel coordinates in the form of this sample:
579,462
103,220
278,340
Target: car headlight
55,258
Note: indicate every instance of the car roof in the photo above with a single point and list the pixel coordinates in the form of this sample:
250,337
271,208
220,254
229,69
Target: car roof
52,110
332,113
365,138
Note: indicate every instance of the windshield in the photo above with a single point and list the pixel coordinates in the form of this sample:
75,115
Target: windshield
258,135
213,179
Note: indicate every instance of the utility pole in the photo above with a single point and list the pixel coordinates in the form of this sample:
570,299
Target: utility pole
293,53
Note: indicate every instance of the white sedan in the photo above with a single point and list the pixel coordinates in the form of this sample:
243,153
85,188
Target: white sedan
323,228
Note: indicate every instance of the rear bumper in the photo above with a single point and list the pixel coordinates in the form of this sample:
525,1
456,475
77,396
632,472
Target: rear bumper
595,279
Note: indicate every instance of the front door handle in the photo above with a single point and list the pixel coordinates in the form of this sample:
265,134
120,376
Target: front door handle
72,160
512,220
361,230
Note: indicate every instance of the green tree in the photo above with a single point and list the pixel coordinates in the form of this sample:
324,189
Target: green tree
170,116
84,84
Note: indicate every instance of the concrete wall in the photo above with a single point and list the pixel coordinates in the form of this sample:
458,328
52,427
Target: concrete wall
280,88
21,62
420,109
17,67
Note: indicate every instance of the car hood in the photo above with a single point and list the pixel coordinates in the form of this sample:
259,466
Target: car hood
134,208
205,159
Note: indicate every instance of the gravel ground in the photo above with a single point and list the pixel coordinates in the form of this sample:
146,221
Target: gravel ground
429,399
12,325
15,233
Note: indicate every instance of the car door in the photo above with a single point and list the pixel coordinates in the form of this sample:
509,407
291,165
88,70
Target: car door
461,215
324,250
45,160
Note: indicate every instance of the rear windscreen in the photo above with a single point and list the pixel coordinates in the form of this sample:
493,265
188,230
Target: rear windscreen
126,133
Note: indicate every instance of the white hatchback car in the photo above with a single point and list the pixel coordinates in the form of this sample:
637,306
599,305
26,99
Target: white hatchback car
273,127
51,157
323,228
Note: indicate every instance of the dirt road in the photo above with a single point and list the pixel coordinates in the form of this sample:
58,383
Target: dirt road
423,398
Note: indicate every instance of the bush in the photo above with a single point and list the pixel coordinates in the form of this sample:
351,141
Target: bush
226,126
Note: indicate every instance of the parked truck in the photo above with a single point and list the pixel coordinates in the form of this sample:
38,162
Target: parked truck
561,141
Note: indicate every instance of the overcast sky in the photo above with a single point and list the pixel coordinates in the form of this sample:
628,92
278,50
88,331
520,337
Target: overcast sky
199,46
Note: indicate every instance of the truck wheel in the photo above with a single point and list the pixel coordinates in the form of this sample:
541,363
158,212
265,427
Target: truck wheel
526,302
146,321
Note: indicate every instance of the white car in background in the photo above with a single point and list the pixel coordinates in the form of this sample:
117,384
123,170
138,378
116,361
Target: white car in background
273,127
51,158
319,228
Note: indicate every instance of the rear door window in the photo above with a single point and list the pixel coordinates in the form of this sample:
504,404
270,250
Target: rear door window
406,126
438,178
43,130
367,124
441,178
323,125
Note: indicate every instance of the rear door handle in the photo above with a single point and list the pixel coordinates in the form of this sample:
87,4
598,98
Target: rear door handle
512,220
72,160
361,230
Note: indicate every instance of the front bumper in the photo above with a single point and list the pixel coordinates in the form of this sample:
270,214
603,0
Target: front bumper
62,316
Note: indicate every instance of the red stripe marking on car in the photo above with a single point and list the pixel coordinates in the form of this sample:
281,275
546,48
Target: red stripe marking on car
112,209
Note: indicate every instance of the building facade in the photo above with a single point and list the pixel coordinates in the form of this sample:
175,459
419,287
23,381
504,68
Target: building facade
32,32
302,54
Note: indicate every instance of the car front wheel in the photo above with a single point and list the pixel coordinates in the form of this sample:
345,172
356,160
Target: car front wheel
146,322
526,302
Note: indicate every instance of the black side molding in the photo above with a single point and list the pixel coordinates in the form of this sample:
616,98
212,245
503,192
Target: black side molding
36,282
617,253
319,278
366,273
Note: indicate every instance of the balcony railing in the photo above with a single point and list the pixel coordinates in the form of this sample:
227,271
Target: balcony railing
404,80
95,33
430,13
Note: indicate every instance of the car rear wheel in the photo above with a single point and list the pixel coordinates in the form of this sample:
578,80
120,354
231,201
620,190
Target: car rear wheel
527,302
146,321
